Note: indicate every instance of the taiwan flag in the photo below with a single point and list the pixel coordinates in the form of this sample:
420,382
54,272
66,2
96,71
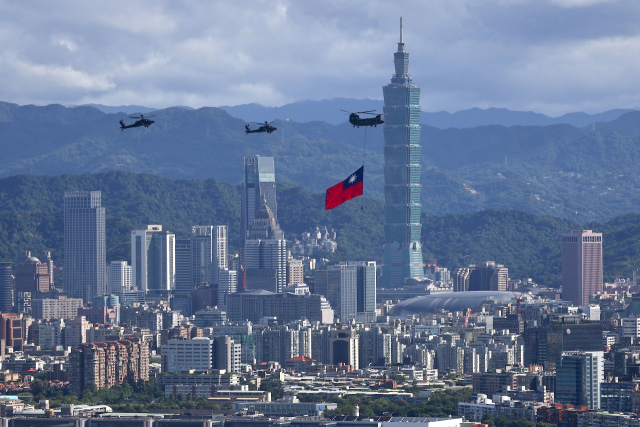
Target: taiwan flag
346,190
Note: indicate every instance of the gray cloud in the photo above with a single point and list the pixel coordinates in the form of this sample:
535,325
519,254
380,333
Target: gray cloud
551,56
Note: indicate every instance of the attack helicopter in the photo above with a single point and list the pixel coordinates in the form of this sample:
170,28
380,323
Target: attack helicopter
143,121
356,121
266,127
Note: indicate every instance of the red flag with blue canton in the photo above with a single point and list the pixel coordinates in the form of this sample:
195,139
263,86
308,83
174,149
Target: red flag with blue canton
346,190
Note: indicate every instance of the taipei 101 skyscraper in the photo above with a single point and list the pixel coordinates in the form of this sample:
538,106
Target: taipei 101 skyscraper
402,207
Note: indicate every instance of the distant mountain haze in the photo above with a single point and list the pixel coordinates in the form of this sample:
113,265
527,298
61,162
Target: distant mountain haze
560,170
328,110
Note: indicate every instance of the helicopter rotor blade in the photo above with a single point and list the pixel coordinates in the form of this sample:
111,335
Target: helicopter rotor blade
257,123
348,112
370,111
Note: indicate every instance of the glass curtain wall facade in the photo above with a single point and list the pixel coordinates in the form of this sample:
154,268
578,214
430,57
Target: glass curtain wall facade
402,247
6,287
153,259
259,184
183,267
85,262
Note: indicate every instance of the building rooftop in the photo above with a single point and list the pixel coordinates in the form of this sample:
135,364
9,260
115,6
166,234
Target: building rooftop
452,301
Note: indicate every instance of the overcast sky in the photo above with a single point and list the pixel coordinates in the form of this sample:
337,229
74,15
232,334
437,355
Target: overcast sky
549,56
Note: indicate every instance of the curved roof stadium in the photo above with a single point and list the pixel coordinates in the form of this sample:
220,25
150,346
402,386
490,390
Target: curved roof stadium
450,301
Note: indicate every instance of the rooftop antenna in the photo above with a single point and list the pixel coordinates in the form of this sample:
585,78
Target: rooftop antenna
401,44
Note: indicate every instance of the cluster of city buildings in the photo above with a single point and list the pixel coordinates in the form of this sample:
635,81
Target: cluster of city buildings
208,323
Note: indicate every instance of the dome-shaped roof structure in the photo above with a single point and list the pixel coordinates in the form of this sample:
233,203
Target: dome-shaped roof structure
32,259
450,301
264,212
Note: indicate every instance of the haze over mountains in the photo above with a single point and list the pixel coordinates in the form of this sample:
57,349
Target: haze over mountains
329,110
582,174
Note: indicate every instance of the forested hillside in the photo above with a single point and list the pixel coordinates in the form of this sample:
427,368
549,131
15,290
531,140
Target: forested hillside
582,174
31,218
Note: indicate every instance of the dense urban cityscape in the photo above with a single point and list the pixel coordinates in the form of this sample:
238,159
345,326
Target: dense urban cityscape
189,332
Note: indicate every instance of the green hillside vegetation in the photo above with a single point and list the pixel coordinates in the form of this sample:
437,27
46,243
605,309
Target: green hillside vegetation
562,171
31,218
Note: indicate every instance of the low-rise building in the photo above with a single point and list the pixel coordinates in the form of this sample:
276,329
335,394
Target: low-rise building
287,406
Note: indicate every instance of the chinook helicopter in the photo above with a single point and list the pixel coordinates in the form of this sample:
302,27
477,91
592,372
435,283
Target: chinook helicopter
356,121
141,122
266,127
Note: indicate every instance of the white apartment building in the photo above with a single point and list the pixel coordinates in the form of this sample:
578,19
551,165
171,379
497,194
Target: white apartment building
119,277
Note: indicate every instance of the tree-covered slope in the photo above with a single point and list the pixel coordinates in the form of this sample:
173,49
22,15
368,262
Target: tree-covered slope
561,171
31,218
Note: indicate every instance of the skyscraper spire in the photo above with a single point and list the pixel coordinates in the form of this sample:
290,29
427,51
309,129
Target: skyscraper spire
401,44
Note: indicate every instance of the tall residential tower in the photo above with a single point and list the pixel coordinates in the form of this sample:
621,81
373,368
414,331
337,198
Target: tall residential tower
402,207
85,262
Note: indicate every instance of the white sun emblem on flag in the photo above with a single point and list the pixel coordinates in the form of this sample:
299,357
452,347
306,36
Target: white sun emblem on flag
352,179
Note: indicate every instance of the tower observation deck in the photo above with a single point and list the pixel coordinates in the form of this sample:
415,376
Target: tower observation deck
402,207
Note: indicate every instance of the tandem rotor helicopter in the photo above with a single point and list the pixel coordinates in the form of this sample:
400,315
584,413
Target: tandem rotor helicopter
143,121
266,127
356,121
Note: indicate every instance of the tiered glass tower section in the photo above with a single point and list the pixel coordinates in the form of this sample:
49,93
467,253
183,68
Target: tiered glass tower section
402,248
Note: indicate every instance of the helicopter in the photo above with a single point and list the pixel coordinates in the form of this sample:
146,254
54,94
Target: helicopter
355,119
266,127
142,122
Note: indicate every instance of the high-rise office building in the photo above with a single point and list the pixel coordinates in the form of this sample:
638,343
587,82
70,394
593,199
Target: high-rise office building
350,288
342,290
259,184
220,252
85,264
209,250
182,277
265,253
227,284
544,345
581,266
120,277
6,287
366,286
153,259
487,276
402,207
578,379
